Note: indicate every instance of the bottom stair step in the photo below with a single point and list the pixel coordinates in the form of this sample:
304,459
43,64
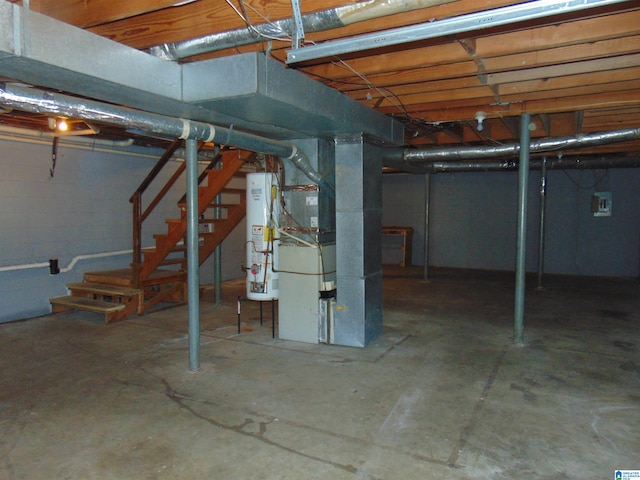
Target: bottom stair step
84,303
103,289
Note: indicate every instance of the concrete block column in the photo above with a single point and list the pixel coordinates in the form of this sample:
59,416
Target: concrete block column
358,316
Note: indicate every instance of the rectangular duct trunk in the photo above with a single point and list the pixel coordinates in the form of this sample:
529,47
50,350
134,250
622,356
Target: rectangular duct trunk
249,91
358,316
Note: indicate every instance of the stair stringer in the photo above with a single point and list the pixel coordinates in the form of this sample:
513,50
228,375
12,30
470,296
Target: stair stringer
216,181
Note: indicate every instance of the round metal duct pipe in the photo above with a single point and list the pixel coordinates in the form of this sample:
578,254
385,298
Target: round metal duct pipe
281,29
583,162
50,103
451,158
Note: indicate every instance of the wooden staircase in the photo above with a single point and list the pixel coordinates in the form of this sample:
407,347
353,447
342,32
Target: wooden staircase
158,273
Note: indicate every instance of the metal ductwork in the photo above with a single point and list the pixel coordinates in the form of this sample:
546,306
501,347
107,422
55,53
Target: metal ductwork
581,162
43,102
439,159
281,29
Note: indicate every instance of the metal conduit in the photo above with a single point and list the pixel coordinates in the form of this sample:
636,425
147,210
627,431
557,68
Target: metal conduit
446,28
281,29
50,103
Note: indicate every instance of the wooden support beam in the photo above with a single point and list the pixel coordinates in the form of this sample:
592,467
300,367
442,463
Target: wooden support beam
454,131
448,95
546,123
571,81
531,42
459,111
392,62
561,55
195,20
562,34
83,13
512,124
574,68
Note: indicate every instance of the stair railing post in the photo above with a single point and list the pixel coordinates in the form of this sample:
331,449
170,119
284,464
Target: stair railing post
217,274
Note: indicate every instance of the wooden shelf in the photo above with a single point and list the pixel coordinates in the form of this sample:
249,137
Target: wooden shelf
407,239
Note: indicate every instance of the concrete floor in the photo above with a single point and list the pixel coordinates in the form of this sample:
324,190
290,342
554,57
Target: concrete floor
442,394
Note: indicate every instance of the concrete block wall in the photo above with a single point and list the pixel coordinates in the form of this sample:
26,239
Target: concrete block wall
474,219
84,209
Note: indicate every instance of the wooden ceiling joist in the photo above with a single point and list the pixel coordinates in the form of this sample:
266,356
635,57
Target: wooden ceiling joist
571,81
575,73
573,68
82,13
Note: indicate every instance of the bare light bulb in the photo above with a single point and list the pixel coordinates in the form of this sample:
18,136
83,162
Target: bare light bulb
63,126
480,117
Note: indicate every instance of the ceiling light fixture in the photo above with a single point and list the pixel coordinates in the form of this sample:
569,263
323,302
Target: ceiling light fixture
64,126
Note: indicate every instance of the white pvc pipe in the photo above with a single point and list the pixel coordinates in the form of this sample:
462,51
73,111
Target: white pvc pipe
71,265
78,258
26,266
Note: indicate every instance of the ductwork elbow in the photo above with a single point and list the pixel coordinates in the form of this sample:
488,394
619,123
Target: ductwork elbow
301,162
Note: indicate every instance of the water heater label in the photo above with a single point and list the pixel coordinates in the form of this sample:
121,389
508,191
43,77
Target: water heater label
257,237
256,193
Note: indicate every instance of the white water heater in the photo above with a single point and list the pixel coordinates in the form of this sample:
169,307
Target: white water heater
263,211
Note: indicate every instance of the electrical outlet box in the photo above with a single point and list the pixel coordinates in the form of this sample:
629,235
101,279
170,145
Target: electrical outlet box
601,204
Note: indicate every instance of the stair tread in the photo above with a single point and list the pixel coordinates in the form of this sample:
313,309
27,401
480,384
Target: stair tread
224,205
103,288
84,303
225,190
173,261
207,197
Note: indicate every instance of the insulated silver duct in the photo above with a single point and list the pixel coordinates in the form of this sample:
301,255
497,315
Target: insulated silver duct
414,156
582,162
281,29
49,103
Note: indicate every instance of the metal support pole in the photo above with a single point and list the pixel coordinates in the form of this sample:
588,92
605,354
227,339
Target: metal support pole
523,182
217,258
427,201
543,204
193,279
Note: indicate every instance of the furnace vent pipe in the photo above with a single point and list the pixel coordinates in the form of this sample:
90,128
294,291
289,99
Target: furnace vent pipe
281,29
43,102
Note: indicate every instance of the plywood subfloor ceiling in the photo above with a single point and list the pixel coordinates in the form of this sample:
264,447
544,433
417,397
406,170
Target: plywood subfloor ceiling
576,73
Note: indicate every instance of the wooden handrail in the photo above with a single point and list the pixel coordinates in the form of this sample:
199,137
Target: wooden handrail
157,168
136,200
163,191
